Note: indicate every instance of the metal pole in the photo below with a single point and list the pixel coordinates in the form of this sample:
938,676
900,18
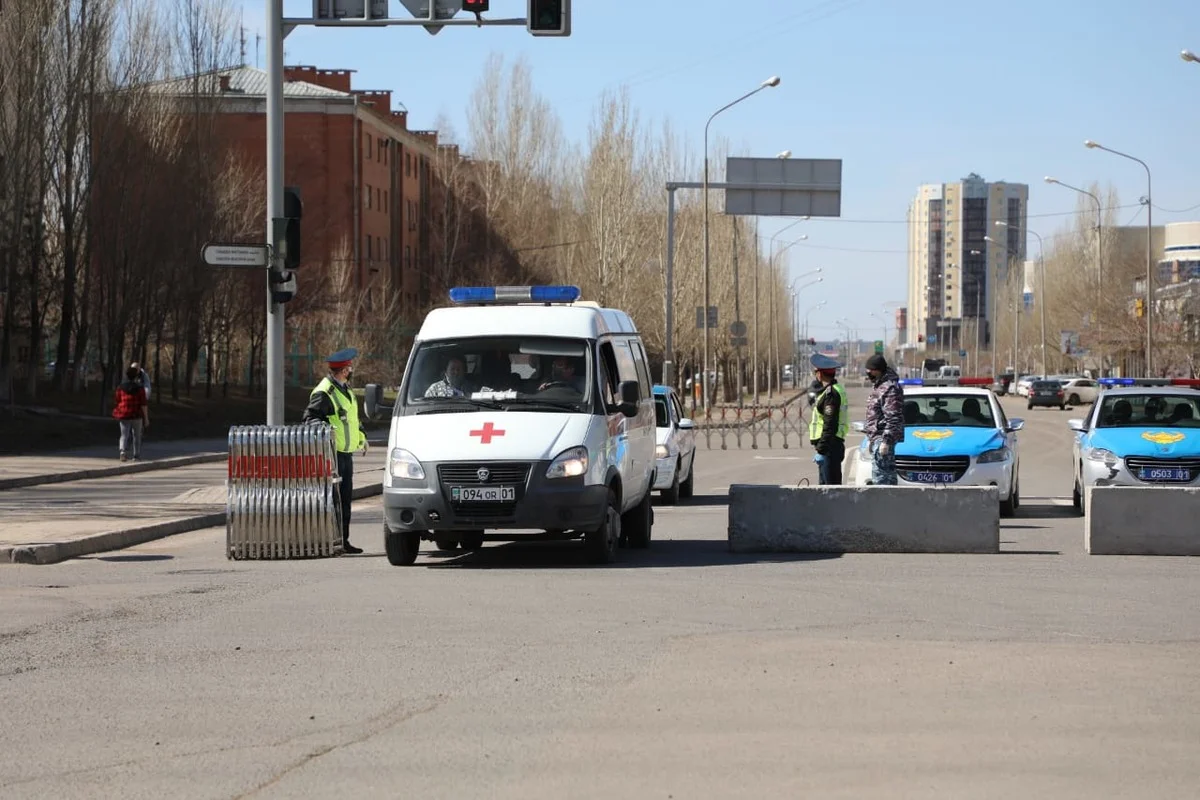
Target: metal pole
704,311
1149,278
669,357
757,269
1042,299
737,315
274,372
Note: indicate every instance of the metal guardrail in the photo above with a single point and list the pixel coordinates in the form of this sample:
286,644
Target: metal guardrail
282,493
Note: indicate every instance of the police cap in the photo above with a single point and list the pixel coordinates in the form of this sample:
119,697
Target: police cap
342,358
823,362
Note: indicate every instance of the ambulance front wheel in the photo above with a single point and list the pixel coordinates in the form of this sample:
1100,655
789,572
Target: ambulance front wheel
401,546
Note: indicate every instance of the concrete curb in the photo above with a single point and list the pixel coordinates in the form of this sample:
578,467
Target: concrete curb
56,552
127,468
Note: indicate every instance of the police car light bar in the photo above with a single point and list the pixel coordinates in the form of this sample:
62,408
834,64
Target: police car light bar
506,295
946,381
1110,382
1192,382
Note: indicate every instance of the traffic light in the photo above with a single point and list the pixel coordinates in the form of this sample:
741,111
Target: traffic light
812,341
293,210
475,6
283,286
1139,307
920,337
548,17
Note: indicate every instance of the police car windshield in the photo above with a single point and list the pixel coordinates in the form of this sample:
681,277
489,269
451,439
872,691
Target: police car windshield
950,410
1141,410
535,373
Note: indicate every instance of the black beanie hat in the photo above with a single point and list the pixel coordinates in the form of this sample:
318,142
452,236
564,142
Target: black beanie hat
877,362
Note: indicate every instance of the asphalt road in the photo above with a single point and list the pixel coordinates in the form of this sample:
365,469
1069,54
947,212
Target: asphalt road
681,671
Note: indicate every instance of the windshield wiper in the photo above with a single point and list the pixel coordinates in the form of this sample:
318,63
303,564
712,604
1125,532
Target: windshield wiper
533,401
439,401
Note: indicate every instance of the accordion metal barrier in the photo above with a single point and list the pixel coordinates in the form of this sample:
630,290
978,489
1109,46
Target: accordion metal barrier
282,493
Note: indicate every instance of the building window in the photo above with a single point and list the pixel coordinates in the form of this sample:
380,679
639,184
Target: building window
385,201
367,195
379,198
407,256
370,257
367,147
408,165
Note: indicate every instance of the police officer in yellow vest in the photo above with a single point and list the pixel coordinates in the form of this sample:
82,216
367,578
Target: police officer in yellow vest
333,403
830,421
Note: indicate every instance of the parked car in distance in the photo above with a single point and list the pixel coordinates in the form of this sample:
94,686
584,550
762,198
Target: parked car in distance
675,448
1080,390
1047,393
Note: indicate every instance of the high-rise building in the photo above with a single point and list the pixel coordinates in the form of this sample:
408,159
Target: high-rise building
952,268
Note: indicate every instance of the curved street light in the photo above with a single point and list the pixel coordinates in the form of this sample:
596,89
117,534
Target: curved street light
767,84
1042,277
1091,145
1099,263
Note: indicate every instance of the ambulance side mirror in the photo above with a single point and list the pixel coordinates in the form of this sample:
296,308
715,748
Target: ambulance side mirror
629,397
372,399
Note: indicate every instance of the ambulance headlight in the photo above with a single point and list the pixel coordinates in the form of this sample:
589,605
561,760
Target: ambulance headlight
569,464
1102,456
404,466
661,451
999,455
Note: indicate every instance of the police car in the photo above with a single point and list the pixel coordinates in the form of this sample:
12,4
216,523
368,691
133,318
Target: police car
676,446
1139,432
955,434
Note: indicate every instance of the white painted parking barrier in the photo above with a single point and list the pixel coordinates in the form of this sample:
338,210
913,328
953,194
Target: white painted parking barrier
863,519
281,493
1142,521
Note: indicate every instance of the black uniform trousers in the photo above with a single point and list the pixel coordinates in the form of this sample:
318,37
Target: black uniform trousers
829,472
345,466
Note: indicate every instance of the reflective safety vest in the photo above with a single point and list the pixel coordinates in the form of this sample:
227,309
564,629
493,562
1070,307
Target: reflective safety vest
816,424
348,436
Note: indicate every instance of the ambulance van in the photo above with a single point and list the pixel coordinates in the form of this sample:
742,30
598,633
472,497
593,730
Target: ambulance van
522,412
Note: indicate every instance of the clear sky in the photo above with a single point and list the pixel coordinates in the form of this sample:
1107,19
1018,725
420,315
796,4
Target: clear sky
904,91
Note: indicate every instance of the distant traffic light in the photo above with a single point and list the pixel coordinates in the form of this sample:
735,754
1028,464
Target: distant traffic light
475,6
548,17
1139,307
293,210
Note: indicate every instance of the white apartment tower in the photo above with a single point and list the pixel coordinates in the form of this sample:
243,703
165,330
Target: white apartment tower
952,268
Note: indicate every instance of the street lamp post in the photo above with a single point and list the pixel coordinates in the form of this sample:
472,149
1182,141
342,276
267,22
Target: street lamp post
768,83
1042,278
1149,252
773,355
1099,261
771,261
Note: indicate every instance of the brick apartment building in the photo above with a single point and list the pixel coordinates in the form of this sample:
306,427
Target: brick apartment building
367,183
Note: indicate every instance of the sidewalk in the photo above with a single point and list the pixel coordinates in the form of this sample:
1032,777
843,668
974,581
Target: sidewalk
101,461
179,488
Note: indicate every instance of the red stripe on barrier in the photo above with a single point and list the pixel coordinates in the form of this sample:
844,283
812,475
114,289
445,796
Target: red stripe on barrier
279,467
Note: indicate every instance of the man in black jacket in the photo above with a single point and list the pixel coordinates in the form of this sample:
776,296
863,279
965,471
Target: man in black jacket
830,421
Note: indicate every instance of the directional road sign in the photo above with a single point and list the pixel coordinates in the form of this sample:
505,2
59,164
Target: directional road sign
234,255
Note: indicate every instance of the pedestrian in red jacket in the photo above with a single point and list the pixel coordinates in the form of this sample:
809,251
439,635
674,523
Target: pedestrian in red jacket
131,410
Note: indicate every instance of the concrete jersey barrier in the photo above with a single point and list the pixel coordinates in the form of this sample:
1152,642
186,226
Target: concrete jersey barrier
866,519
1142,521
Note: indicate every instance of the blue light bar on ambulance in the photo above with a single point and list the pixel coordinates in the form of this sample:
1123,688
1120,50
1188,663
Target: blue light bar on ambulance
946,381
503,295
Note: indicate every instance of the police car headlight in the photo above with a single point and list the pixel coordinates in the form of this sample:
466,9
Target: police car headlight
1102,456
404,466
1000,454
661,451
569,464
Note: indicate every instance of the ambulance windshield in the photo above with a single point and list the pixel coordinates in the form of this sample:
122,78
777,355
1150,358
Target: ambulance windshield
535,373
